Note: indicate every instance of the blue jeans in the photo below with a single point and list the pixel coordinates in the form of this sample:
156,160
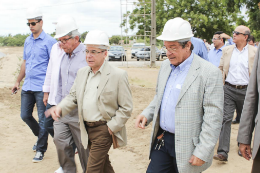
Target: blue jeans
28,100
163,160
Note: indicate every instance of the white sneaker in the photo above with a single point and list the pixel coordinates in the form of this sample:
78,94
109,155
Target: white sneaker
60,170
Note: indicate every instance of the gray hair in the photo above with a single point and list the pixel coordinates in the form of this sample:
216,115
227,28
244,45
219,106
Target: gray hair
102,47
247,32
74,33
183,44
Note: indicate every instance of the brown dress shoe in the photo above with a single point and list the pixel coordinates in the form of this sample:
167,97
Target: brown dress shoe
220,157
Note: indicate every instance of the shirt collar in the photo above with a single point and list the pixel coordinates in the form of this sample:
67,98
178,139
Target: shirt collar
100,69
244,49
41,36
184,64
79,48
219,48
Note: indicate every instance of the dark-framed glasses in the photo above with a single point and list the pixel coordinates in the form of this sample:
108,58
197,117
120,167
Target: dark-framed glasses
64,41
93,52
237,33
32,23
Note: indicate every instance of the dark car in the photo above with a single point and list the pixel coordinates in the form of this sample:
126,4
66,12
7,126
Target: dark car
116,53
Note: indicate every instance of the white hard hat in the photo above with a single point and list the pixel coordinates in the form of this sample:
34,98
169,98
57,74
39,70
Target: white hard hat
176,29
97,37
34,13
65,25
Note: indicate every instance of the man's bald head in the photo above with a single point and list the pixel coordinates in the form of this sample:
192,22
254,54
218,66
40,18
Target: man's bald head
241,34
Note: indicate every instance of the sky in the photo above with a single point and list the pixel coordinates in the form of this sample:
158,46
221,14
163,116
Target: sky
89,14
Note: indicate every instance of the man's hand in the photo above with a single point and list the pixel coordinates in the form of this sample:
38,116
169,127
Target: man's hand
110,132
140,121
223,35
245,150
55,112
16,87
195,161
45,98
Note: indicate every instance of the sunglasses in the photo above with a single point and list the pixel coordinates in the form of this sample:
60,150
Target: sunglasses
32,23
237,33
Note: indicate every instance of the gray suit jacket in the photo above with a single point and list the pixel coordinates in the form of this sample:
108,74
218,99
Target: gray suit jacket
198,113
250,114
114,100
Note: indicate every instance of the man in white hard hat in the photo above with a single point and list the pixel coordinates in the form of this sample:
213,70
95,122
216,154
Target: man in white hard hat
37,48
187,109
61,73
103,97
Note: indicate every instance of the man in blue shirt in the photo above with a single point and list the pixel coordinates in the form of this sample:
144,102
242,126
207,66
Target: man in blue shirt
37,48
200,48
218,40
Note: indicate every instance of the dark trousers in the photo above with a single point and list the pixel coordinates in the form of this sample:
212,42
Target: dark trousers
163,160
233,100
100,142
28,100
256,163
48,123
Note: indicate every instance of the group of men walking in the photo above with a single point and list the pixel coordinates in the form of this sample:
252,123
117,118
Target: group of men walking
88,101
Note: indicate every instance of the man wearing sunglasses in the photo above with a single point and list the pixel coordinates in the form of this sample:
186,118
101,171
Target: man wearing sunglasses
37,48
236,65
61,73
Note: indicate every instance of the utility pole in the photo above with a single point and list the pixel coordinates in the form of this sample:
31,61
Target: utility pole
153,34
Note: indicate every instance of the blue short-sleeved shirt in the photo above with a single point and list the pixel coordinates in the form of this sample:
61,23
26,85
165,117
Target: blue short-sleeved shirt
36,54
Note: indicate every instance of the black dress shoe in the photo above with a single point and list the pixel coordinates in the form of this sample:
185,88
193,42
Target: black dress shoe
235,122
239,153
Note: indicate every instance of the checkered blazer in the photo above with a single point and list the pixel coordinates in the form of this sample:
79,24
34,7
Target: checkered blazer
198,113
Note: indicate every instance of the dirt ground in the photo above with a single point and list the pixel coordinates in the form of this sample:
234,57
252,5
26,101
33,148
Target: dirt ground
16,139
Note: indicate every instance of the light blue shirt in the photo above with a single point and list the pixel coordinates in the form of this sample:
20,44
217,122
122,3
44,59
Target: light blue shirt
68,70
215,55
200,48
171,94
36,54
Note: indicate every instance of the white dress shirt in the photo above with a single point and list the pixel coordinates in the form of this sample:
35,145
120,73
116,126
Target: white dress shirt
238,73
51,82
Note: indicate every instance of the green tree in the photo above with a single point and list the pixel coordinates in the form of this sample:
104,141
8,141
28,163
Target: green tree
205,16
114,39
253,12
83,36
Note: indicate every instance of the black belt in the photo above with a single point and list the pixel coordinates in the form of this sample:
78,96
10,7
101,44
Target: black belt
236,86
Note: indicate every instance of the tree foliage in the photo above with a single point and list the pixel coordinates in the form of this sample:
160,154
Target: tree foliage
253,12
16,40
205,16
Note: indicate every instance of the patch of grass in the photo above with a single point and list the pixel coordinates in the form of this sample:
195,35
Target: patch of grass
139,82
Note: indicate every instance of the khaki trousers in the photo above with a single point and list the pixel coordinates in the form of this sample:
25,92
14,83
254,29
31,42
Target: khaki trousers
100,142
256,163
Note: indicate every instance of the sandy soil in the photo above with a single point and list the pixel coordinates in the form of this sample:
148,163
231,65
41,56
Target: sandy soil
17,139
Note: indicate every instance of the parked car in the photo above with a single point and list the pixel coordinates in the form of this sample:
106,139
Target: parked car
136,47
145,52
116,53
163,52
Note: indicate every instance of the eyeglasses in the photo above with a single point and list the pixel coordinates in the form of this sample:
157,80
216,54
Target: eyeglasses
237,33
64,41
171,49
215,39
93,52
32,23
